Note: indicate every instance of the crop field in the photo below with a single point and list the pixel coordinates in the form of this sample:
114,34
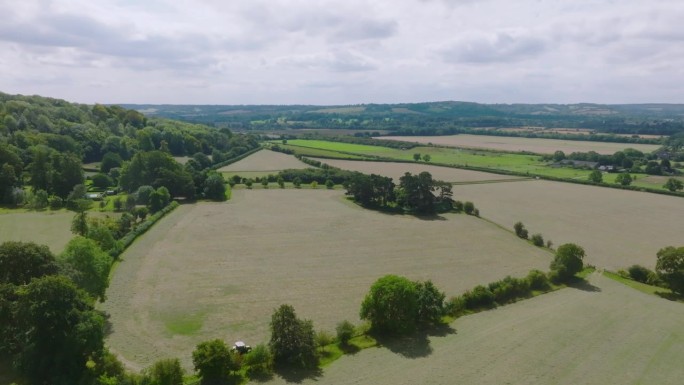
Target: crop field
51,228
617,228
218,270
514,144
264,161
603,333
397,170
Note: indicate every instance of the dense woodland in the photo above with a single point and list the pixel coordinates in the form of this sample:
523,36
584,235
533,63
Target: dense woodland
45,142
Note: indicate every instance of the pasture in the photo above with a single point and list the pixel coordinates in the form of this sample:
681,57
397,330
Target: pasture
515,144
51,228
218,270
617,228
264,161
601,333
397,170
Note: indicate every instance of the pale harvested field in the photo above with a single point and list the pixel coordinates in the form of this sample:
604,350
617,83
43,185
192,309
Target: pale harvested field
265,160
613,335
535,145
226,266
396,170
51,228
617,228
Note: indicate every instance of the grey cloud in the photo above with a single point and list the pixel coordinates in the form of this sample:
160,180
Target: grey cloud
502,47
339,61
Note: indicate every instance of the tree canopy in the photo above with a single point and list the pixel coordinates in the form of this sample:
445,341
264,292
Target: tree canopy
670,266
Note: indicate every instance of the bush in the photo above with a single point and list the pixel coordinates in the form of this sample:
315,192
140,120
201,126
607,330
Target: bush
101,181
430,302
143,194
329,184
345,332
538,280
166,372
639,273
520,230
213,362
458,206
297,182
537,240
479,298
56,202
259,361
509,289
455,306
468,207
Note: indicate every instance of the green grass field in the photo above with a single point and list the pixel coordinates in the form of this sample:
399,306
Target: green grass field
516,162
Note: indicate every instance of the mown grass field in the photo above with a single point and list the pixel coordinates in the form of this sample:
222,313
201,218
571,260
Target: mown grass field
600,333
51,228
218,270
514,144
617,228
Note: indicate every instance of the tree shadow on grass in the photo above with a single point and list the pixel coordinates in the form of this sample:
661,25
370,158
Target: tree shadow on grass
298,375
349,348
670,296
260,377
417,344
584,285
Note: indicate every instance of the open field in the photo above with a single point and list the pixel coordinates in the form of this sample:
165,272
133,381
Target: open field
218,270
264,161
514,144
397,170
617,228
606,333
51,228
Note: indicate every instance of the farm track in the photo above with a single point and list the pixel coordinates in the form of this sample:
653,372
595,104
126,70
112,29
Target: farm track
599,333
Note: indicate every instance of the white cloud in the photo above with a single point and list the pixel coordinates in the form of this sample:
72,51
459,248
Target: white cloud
327,51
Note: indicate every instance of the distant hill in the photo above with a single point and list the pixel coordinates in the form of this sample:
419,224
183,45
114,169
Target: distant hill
655,119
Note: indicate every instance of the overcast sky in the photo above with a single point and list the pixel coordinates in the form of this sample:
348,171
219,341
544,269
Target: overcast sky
344,51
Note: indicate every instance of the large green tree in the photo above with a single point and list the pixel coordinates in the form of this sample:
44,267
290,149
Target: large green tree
58,331
292,340
673,184
87,265
670,267
568,260
391,306
213,362
22,261
157,168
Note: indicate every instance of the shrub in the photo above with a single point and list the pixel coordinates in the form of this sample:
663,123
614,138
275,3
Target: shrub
430,302
213,362
323,339
509,289
259,361
56,202
281,182
329,184
538,280
101,181
480,297
249,183
455,306
143,194
468,207
314,185
166,372
264,182
520,230
639,273
537,240
297,182
345,332
458,206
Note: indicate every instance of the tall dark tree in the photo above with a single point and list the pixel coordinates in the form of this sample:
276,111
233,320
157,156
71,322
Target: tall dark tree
22,261
292,340
670,267
58,331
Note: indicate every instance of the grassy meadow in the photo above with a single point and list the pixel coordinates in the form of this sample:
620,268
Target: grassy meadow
217,270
